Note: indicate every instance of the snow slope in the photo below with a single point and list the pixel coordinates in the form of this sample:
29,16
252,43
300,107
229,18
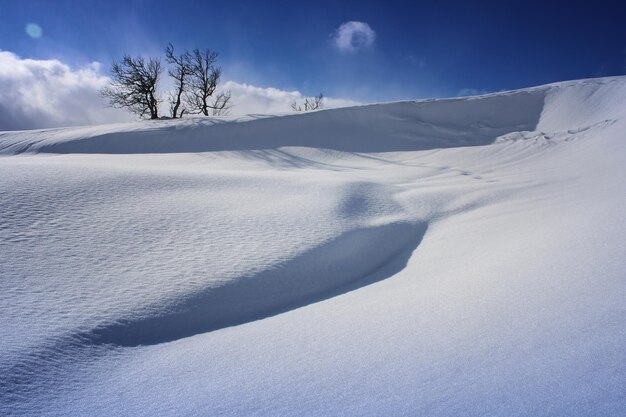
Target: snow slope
440,257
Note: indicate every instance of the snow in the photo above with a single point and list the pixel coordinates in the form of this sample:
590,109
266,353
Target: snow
440,257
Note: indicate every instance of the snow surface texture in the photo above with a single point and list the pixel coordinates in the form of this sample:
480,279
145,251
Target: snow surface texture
441,257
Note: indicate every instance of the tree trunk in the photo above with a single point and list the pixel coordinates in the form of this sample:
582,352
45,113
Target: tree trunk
177,105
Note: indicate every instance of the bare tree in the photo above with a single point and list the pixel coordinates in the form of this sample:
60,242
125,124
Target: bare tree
314,103
134,84
221,105
180,71
204,78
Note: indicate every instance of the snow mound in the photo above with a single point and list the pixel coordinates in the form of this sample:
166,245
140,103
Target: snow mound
403,126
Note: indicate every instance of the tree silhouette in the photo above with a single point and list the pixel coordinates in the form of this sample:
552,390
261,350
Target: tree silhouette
180,71
134,85
309,104
205,76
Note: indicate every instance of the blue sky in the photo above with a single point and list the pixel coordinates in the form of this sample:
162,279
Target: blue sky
418,49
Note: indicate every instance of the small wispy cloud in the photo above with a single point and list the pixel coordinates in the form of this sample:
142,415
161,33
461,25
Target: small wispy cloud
415,61
464,92
353,36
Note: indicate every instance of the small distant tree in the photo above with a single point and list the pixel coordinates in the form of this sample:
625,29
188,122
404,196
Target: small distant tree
314,103
180,70
205,76
134,85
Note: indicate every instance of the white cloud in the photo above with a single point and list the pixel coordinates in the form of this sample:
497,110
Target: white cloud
353,36
48,93
248,99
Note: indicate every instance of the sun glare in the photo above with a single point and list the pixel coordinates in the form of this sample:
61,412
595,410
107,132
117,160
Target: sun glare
34,30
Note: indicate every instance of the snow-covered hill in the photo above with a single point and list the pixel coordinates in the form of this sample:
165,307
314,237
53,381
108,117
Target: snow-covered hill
441,257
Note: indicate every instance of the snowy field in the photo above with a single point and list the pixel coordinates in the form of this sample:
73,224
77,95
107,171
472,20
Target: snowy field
461,257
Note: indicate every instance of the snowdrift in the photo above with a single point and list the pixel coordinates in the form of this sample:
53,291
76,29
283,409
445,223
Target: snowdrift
324,271
438,257
404,126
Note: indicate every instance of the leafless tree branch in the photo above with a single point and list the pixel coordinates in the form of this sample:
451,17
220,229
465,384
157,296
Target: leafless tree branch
134,84
203,81
180,71
314,103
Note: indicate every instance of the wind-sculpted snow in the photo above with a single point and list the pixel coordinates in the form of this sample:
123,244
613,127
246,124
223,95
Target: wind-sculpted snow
353,259
405,126
438,257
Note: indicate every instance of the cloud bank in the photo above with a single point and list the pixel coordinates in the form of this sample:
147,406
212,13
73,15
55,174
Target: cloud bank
353,36
248,99
48,93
